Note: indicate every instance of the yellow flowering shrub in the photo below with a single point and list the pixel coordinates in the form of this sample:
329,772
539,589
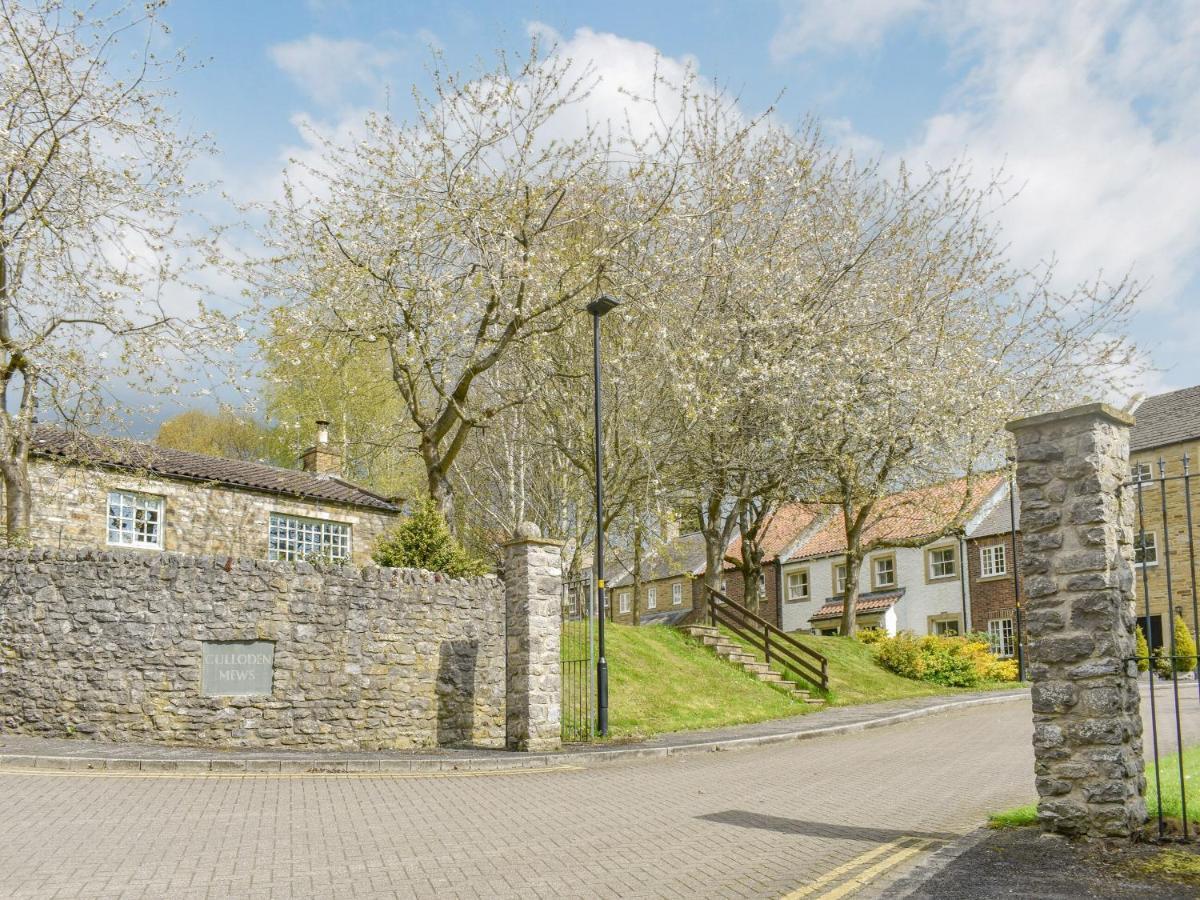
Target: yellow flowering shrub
952,661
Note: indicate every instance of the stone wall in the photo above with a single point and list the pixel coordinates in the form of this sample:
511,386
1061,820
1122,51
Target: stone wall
533,575
1078,583
71,509
662,598
108,644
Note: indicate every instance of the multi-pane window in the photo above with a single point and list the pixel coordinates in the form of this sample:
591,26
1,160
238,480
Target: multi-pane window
1000,635
993,561
1141,471
134,520
797,586
677,595
292,538
652,597
624,601
839,578
941,562
1145,549
885,571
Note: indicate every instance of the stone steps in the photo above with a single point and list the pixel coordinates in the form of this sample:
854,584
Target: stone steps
735,653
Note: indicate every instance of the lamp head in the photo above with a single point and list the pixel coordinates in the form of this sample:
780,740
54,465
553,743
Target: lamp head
602,304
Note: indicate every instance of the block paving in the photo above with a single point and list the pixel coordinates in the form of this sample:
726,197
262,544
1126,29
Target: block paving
754,823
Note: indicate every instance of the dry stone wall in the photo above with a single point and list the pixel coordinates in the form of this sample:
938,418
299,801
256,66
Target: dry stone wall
119,645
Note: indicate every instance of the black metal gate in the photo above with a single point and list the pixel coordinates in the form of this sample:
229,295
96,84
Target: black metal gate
1165,572
578,660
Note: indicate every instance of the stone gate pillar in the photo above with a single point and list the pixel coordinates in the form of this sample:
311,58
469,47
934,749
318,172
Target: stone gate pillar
1076,531
533,595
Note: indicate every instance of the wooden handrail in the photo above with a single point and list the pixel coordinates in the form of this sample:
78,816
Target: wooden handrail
740,620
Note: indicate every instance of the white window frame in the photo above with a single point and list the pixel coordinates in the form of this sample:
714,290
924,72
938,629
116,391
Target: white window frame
935,621
138,517
841,574
623,601
875,579
1142,472
1151,543
297,538
677,594
1000,636
794,596
652,597
993,560
952,561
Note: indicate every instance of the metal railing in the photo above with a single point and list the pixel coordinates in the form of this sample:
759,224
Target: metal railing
774,643
578,660
1150,556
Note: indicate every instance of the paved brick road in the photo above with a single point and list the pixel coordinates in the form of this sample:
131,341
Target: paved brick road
747,824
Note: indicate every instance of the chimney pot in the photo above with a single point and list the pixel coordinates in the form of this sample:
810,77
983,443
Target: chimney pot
322,432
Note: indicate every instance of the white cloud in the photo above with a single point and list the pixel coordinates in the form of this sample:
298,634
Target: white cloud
823,25
328,70
1091,109
620,70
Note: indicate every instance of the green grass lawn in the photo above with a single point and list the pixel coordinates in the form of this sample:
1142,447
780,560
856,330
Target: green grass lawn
855,677
661,680
1171,799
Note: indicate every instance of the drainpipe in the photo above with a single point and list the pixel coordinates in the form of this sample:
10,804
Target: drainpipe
1012,527
962,579
778,593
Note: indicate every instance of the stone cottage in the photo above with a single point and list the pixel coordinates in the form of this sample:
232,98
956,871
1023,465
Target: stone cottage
671,585
92,492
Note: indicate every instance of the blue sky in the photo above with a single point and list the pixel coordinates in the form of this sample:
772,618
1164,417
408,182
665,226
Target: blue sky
1092,108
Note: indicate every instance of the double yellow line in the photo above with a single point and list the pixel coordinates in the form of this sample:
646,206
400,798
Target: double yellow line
822,888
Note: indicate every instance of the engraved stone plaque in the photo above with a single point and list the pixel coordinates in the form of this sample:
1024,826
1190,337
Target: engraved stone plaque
237,668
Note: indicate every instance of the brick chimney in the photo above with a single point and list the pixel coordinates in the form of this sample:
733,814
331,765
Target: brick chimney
321,458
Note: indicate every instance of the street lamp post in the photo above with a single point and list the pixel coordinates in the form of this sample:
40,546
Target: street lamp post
597,308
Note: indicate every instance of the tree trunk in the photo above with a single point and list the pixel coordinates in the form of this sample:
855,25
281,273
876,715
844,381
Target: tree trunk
751,567
442,495
850,596
714,557
17,502
637,571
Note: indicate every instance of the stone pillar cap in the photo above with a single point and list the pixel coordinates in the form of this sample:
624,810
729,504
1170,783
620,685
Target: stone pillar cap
1099,410
530,533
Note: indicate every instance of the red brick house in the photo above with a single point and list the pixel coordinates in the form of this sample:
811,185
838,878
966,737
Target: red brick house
991,568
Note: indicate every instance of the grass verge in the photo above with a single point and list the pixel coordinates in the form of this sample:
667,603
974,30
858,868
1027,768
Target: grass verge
660,680
1172,802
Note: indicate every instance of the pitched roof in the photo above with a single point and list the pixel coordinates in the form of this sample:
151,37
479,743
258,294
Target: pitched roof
997,520
880,601
783,528
1166,419
682,556
902,516
86,449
